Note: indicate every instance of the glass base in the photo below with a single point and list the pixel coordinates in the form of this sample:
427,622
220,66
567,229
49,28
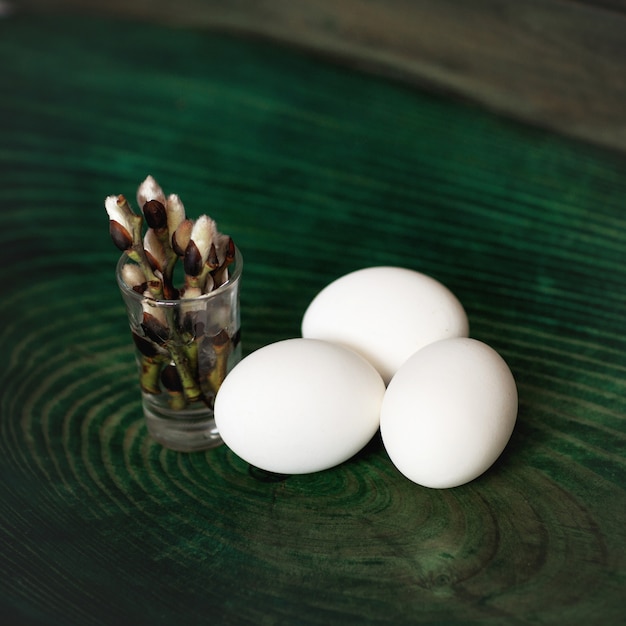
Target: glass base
185,430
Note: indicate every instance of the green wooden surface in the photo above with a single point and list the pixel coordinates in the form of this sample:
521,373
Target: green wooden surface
314,171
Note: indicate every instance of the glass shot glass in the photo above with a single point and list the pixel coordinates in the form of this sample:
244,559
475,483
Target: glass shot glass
184,349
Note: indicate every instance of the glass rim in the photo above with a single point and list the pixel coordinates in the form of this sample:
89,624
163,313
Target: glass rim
229,284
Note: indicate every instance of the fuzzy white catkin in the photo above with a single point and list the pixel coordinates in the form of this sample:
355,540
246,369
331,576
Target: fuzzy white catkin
175,213
203,233
115,212
150,190
133,275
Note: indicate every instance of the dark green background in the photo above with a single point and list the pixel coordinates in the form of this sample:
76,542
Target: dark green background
315,171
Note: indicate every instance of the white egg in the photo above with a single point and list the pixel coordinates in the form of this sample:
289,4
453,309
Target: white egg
449,412
299,406
386,314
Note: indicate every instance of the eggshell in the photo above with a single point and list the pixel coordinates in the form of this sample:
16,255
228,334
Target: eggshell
449,412
386,314
299,406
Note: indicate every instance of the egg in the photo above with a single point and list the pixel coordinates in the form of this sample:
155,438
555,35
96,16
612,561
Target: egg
449,412
299,406
386,314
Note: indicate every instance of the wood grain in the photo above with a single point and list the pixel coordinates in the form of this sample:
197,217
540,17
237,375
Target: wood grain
557,64
314,170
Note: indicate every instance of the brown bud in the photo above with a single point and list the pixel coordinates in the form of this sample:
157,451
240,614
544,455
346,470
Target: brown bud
155,213
230,251
193,260
171,379
145,346
212,260
221,339
153,261
154,329
121,237
149,189
220,274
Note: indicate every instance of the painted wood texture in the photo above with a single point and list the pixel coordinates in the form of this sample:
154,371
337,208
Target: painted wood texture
315,171
559,64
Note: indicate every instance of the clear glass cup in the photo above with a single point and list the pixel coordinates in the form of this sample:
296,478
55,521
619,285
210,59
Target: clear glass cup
184,349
